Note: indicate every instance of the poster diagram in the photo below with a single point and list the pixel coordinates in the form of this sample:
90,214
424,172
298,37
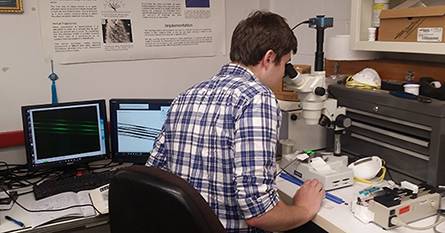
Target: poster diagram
116,31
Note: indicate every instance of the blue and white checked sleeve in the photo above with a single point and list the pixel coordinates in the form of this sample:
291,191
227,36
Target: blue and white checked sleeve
256,134
158,157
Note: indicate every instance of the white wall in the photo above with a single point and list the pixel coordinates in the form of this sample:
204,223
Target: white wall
24,68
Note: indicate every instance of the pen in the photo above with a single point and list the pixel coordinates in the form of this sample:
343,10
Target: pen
21,224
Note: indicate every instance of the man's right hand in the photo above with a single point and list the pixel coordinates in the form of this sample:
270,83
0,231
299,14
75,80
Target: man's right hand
306,203
309,197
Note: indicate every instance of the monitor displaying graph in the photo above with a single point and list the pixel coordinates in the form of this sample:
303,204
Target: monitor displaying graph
135,124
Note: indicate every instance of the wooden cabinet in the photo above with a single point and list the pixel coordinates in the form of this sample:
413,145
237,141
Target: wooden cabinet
361,13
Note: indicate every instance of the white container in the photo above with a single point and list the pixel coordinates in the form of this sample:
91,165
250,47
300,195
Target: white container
338,48
371,34
377,7
412,88
436,84
286,146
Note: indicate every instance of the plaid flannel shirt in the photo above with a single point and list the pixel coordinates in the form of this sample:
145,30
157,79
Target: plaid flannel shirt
220,136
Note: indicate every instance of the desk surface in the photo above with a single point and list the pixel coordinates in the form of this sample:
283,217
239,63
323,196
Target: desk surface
26,217
27,201
338,217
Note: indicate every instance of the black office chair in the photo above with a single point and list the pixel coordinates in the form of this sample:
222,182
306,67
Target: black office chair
148,199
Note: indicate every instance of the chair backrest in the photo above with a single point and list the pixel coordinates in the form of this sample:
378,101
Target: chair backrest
148,199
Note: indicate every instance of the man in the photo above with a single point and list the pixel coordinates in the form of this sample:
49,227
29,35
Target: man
220,135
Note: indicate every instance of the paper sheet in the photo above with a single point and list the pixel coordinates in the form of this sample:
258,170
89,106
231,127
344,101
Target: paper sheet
61,201
321,166
99,197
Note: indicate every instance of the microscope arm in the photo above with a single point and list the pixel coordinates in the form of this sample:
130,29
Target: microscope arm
317,107
311,89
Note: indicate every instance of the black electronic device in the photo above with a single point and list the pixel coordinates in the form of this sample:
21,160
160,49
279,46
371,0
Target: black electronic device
75,184
134,126
65,135
320,23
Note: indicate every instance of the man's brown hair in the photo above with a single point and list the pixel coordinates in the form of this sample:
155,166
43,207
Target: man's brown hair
258,33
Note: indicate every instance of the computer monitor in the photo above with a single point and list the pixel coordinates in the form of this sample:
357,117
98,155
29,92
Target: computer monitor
134,126
65,135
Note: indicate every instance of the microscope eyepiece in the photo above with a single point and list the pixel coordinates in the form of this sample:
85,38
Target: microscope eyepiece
290,71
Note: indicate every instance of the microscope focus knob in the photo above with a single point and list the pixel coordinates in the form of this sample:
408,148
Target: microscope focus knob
343,121
320,91
324,121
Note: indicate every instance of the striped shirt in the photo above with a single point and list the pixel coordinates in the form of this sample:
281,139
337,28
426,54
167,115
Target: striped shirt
220,136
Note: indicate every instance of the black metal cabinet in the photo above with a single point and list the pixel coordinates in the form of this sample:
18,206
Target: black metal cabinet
409,135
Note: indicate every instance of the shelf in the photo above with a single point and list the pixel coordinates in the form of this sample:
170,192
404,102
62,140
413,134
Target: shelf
361,12
405,47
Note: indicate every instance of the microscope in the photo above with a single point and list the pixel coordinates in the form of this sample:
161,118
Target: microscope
317,108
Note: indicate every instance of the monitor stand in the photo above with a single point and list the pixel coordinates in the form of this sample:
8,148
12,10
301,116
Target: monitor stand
75,170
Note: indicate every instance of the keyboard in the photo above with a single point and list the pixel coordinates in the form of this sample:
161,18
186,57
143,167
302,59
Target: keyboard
72,184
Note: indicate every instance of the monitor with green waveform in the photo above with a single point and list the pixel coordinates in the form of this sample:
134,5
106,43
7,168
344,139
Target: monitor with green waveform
65,134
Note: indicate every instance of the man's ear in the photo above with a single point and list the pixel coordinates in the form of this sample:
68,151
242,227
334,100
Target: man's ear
268,58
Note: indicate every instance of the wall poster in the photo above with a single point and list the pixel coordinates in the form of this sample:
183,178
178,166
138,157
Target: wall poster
78,31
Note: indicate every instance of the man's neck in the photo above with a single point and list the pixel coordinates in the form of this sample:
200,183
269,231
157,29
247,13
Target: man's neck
253,70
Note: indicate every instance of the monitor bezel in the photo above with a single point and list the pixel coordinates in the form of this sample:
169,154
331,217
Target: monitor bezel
64,163
120,157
